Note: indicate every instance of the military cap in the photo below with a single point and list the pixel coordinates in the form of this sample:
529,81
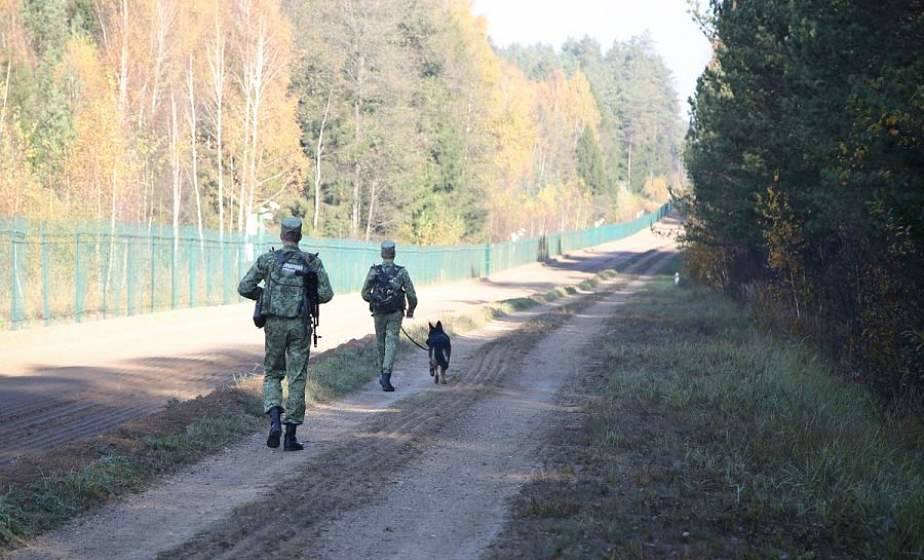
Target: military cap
388,248
292,225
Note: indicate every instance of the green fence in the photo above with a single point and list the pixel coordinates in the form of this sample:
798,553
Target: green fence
57,272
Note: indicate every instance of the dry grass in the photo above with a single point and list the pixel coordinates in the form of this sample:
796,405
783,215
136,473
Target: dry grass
709,438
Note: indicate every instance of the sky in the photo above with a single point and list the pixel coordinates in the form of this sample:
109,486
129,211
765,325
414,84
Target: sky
679,41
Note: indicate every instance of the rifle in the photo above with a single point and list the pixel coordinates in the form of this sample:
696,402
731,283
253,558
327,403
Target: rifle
312,307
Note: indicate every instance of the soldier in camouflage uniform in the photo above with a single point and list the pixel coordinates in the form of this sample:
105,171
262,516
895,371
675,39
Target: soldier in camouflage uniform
386,288
288,328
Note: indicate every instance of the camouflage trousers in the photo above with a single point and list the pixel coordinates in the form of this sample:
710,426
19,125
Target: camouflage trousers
387,330
287,350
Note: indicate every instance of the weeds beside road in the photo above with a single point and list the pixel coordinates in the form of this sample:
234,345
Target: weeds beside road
708,438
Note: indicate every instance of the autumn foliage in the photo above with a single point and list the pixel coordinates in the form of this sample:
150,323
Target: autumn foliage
386,117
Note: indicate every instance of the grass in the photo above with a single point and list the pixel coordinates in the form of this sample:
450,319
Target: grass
709,438
113,465
47,491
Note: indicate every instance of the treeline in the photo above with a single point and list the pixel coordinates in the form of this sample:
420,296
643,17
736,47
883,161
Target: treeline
368,118
806,153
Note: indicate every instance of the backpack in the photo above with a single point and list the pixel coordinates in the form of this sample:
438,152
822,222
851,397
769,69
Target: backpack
387,296
288,275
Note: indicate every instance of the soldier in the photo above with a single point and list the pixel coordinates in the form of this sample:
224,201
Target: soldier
290,277
386,288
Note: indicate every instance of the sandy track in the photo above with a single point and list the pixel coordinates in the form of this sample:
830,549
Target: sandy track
453,500
284,499
89,378
478,431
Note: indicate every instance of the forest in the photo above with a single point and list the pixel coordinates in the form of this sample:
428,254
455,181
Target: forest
369,118
806,156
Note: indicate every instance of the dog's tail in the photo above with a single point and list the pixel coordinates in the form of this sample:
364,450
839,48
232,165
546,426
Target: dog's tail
442,356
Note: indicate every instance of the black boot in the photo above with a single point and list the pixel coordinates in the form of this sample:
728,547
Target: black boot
272,440
382,381
290,443
386,385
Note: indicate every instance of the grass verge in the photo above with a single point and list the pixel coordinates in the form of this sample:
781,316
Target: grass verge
708,438
41,492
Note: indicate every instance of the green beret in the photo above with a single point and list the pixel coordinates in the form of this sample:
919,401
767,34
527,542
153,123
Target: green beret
292,225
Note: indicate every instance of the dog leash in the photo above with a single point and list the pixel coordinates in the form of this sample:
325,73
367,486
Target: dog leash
417,344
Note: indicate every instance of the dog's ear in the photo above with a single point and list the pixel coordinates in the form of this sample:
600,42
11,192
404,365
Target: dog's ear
431,325
439,325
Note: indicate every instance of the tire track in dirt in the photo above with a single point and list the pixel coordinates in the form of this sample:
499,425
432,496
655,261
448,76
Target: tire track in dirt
283,523
386,446
87,413
451,501
268,528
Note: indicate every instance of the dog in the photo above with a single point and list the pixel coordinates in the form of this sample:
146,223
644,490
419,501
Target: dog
440,352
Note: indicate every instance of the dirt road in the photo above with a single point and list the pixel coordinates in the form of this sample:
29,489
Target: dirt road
422,473
88,378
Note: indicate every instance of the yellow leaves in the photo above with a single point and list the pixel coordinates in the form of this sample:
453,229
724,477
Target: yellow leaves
513,125
533,127
438,225
97,156
83,73
783,234
569,102
656,189
18,185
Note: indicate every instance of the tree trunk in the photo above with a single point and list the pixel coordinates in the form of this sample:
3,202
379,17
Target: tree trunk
6,96
112,229
317,164
354,220
357,140
123,63
217,68
371,216
629,174
194,155
164,17
176,175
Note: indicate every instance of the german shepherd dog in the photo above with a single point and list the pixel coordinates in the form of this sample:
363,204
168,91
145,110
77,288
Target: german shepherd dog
440,352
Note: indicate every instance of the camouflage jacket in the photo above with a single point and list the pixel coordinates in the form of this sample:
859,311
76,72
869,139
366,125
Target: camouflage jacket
402,278
284,287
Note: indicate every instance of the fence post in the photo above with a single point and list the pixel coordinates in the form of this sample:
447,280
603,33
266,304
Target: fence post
78,300
224,271
104,286
191,280
173,289
240,259
208,273
173,272
129,276
16,302
153,265
46,314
